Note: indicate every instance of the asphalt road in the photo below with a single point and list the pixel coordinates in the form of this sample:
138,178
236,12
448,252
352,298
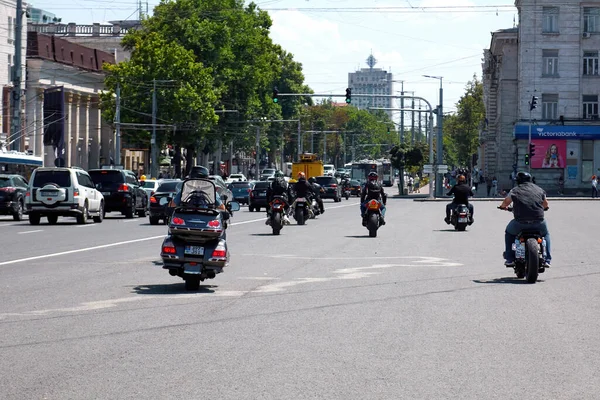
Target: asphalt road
320,312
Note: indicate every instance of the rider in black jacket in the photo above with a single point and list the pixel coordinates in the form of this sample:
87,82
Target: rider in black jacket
317,192
372,190
461,192
302,188
279,187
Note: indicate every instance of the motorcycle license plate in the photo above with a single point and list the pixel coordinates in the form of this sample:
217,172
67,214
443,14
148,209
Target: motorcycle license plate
194,250
262,195
462,219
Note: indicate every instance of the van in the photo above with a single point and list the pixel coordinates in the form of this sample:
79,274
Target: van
329,170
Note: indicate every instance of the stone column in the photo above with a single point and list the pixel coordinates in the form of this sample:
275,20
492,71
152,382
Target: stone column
94,127
84,129
40,150
69,98
108,142
31,119
75,159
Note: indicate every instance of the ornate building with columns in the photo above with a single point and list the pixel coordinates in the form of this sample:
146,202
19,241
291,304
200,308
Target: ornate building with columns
57,65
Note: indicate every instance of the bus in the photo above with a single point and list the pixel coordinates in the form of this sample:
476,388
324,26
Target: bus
19,163
361,169
388,173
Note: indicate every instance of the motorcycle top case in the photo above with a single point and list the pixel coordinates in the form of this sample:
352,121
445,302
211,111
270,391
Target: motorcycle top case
196,217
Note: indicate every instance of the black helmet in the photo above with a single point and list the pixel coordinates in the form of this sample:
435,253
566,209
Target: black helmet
373,176
523,177
278,174
199,172
312,179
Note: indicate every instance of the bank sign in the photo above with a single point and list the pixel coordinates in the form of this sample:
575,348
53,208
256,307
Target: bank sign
578,132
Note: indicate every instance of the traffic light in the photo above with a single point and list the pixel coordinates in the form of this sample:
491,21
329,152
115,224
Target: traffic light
533,103
526,159
348,95
275,95
531,149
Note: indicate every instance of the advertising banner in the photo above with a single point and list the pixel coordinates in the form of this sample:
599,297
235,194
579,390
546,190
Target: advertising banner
549,154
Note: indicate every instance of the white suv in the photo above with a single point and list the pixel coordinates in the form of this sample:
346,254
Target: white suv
67,192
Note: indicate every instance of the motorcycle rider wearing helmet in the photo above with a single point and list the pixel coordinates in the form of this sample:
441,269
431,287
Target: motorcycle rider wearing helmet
372,190
529,203
461,192
317,189
279,187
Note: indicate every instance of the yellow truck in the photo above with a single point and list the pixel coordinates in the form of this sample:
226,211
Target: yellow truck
309,165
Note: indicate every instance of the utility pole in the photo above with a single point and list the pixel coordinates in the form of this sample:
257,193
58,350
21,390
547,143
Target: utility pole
16,77
324,147
153,169
420,131
257,155
412,127
440,144
299,138
118,126
402,114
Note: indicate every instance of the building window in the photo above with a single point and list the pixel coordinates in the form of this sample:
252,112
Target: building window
590,106
591,19
550,17
549,106
590,63
10,28
587,160
9,68
550,62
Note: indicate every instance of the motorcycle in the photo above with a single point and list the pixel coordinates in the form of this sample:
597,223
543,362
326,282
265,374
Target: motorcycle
346,190
195,248
530,253
277,213
314,209
373,217
460,217
301,209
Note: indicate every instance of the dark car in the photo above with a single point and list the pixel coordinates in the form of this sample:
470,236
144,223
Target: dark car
160,209
355,187
258,196
241,191
121,190
12,195
331,189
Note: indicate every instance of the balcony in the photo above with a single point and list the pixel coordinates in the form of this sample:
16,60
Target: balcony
72,29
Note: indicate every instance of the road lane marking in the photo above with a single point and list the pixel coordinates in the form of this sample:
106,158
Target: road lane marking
37,230
62,253
85,226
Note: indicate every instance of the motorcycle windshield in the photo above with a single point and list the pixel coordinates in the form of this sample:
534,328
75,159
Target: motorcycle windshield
198,193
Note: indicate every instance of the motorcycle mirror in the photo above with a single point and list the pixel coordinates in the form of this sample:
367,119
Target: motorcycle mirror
163,201
233,206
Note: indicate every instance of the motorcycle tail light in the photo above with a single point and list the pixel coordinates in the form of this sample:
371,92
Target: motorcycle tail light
169,249
152,199
214,223
373,205
540,240
463,214
219,253
178,221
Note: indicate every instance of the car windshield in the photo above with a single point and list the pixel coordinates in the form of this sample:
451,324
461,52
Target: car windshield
262,185
169,187
106,176
238,185
4,182
60,178
325,180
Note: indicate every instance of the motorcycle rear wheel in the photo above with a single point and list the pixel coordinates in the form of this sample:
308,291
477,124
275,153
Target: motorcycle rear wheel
276,223
533,260
373,224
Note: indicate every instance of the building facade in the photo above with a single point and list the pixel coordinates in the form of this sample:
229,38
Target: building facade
63,87
39,16
371,81
557,65
8,13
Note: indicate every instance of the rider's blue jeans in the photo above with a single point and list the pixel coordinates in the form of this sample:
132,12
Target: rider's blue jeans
512,230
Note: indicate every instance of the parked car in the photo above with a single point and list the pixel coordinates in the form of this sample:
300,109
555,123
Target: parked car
332,190
12,195
222,189
355,187
236,178
160,209
67,192
241,191
258,196
121,190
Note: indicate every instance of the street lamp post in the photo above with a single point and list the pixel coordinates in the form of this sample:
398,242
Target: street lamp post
440,119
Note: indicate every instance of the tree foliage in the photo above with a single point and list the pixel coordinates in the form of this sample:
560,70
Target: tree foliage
461,130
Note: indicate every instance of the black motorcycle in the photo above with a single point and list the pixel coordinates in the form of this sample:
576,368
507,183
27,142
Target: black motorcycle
195,248
530,253
301,208
460,217
373,217
277,206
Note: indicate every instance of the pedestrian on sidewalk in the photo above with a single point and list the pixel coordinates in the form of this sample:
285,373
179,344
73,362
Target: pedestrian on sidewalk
494,186
594,187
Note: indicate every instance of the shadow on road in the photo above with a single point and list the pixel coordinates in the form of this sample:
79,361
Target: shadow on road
447,230
366,236
172,288
509,279
262,234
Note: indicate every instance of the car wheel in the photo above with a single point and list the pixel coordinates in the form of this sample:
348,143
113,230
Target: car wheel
130,212
154,220
250,208
100,217
18,215
83,217
34,219
52,219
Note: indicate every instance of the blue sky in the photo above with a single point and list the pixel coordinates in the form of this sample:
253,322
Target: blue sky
330,38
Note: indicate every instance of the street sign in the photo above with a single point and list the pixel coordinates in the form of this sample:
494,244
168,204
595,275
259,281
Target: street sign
442,168
427,168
